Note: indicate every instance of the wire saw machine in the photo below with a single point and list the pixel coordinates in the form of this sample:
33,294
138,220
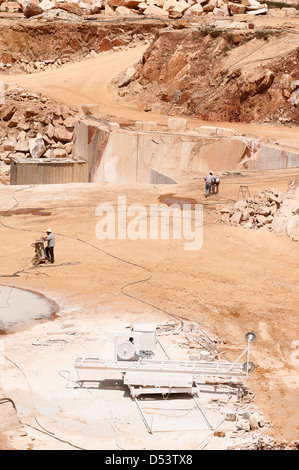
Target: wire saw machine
40,253
132,352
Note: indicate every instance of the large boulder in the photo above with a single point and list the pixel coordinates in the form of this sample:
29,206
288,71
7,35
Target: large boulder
37,146
153,10
46,5
126,79
236,8
70,7
96,6
22,146
123,11
263,210
62,134
236,218
32,9
7,111
257,84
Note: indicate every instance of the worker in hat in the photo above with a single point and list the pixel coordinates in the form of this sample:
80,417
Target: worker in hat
209,180
215,188
50,238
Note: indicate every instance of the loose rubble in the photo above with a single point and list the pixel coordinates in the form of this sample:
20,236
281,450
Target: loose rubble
255,212
248,425
26,66
261,442
32,126
158,8
14,60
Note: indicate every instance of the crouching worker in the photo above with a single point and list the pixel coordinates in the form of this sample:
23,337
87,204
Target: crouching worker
50,238
215,187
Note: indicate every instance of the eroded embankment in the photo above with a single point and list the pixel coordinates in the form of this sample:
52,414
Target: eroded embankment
24,46
222,75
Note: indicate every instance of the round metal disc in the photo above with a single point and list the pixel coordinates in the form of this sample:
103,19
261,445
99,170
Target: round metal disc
125,351
249,367
250,336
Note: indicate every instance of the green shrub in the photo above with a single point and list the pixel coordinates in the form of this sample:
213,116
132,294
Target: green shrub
281,5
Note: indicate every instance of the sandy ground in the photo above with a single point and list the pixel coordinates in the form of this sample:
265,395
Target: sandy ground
238,281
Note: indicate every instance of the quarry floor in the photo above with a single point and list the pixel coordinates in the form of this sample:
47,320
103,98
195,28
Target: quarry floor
238,281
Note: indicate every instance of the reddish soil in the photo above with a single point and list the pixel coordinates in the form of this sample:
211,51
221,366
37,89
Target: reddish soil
240,280
248,77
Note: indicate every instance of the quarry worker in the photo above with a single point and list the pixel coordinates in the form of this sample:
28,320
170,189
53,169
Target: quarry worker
50,238
216,183
209,183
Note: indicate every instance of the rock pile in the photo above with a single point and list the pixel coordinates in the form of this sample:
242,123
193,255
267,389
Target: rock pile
179,8
32,126
31,66
165,8
264,442
255,213
286,222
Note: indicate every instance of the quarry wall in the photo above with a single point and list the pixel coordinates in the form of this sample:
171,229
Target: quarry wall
124,155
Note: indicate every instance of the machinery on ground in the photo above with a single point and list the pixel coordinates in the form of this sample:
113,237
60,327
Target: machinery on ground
40,253
132,352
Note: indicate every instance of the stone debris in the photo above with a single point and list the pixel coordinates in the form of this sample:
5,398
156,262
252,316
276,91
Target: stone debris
25,66
243,422
265,442
286,221
33,127
159,8
254,213
127,77
295,95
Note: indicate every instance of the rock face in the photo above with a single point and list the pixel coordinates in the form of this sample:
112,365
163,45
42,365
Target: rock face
173,73
286,222
254,213
256,84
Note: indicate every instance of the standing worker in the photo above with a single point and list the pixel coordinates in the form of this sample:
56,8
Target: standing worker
50,238
209,183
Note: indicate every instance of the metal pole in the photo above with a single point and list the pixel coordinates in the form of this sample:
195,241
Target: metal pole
143,417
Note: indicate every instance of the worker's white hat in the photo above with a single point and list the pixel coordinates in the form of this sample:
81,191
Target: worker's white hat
49,230
211,173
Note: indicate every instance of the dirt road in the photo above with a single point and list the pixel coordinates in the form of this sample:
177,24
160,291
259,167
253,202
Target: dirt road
89,82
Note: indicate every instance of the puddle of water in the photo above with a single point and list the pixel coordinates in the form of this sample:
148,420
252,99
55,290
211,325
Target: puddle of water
20,308
25,211
170,199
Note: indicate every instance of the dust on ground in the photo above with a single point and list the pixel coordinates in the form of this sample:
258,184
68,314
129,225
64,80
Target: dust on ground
239,281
